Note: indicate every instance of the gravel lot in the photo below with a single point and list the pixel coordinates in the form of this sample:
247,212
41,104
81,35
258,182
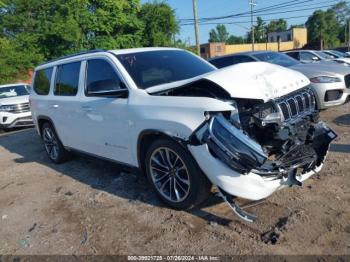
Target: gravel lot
88,206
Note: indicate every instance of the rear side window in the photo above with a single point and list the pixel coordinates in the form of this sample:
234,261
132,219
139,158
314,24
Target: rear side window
67,79
222,62
42,81
295,55
101,77
242,59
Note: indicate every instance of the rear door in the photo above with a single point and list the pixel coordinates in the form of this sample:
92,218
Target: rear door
64,101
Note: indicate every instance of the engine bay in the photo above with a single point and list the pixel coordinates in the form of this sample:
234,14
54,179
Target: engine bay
275,138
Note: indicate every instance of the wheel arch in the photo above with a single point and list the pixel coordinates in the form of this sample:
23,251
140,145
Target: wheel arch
146,138
45,119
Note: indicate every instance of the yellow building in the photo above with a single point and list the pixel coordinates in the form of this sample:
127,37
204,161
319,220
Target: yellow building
277,41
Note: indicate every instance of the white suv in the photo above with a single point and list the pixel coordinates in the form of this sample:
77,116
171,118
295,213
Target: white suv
249,129
14,106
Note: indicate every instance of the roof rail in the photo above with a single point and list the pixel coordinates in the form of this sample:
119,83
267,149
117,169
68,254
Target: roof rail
73,55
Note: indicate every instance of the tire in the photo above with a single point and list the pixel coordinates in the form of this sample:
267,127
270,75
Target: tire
175,175
53,146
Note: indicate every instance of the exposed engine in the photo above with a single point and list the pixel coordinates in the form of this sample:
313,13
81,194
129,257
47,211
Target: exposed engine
287,130
280,125
275,138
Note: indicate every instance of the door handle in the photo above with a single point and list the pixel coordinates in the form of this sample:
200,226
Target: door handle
54,106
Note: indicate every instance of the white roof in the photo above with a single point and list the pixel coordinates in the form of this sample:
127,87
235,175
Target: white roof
142,49
17,84
116,52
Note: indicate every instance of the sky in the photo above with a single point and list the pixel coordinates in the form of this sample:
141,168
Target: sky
215,8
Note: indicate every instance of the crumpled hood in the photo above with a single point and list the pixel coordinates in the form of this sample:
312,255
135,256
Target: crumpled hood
14,100
258,80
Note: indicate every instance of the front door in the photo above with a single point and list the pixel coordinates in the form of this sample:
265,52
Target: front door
103,115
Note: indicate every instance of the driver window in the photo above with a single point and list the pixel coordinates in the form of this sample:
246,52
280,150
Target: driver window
101,77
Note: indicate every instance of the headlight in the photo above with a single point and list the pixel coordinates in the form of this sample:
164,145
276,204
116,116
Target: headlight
325,79
5,108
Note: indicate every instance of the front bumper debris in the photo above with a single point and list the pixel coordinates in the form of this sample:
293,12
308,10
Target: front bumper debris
239,167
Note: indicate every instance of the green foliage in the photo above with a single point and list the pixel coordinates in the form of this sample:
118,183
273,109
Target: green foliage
160,25
323,25
33,31
259,31
277,25
219,34
232,40
15,63
342,12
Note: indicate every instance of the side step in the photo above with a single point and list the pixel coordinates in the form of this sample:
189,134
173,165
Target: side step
239,211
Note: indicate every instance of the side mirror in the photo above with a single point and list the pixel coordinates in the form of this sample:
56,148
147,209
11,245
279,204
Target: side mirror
315,58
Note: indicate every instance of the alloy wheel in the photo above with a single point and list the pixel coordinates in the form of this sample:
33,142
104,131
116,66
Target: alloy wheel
51,143
169,174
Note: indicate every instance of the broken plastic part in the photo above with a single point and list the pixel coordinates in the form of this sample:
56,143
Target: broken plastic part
236,208
240,149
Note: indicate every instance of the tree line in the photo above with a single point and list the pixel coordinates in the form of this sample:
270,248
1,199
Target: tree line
330,27
33,31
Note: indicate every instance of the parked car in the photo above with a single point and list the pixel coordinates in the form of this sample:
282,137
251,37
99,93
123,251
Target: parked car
14,106
338,55
250,130
330,83
312,56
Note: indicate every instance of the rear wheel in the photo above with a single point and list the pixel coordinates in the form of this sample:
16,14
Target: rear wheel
53,146
175,175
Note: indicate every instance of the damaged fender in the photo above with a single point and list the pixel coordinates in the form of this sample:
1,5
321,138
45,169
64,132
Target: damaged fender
241,167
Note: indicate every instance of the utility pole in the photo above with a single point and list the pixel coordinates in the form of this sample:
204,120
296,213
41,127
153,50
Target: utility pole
349,36
252,4
196,26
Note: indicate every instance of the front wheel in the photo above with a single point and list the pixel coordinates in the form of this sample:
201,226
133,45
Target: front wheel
175,175
53,146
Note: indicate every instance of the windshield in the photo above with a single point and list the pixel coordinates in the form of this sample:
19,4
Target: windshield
333,55
276,58
12,91
339,54
164,66
323,55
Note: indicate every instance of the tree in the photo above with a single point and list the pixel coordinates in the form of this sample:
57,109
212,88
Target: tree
259,31
323,27
342,12
110,24
235,40
219,34
42,30
277,25
58,27
160,25
14,62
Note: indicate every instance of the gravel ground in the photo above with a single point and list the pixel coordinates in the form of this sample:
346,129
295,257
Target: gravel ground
88,206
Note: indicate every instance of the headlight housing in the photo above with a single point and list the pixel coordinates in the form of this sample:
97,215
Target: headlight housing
325,79
5,108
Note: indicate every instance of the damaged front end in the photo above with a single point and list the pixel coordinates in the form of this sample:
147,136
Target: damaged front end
266,146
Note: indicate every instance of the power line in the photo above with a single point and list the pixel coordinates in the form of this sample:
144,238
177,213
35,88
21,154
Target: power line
273,13
261,13
244,13
246,22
